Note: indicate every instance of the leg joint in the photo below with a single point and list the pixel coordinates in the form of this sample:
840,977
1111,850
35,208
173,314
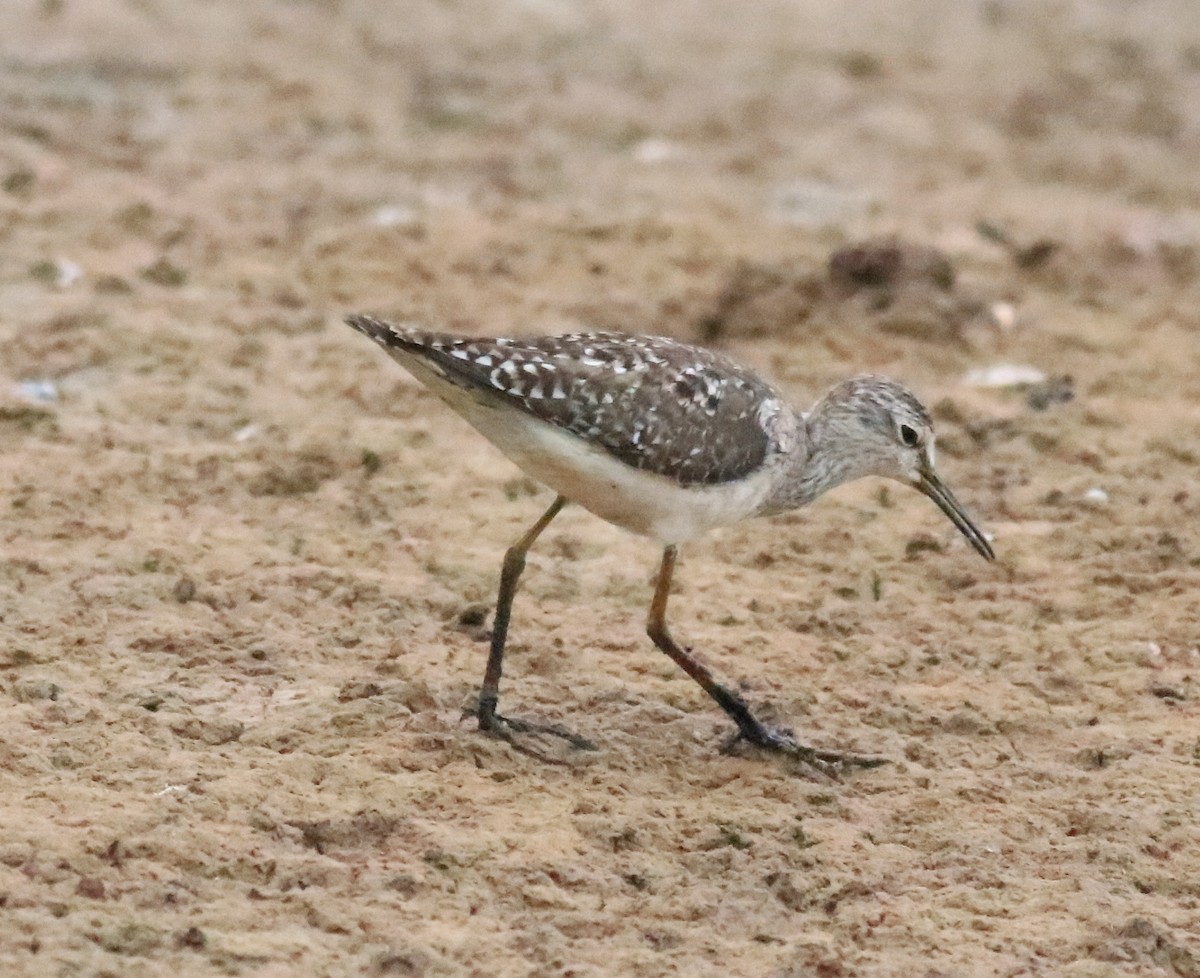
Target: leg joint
514,561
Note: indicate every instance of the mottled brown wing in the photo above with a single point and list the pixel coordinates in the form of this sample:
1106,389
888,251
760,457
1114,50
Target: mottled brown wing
656,404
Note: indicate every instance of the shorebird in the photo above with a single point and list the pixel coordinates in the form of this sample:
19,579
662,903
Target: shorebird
668,441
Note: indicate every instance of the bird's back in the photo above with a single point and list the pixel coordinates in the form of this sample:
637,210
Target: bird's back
655,404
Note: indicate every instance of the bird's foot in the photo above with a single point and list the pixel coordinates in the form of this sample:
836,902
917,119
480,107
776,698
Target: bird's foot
831,764
502,726
495,725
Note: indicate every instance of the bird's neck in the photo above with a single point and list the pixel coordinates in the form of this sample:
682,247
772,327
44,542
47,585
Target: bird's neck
817,469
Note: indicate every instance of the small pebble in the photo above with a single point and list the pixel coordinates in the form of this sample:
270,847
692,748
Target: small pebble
38,391
1004,315
184,590
816,204
1056,390
393,215
654,150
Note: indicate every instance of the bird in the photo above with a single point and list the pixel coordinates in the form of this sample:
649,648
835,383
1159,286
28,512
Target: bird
669,441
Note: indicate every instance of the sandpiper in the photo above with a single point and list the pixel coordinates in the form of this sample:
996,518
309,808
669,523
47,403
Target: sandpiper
669,441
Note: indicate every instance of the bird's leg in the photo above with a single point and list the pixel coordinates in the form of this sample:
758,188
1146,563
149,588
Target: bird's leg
750,728
510,573
656,628
489,694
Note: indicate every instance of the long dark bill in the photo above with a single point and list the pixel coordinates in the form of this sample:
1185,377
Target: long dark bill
935,489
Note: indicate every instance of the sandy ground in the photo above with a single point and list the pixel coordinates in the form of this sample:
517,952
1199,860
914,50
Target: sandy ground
244,557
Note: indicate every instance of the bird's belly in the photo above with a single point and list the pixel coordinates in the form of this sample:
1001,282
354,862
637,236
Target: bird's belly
635,499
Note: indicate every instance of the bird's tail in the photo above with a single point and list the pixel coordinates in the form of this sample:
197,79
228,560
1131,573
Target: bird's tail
401,336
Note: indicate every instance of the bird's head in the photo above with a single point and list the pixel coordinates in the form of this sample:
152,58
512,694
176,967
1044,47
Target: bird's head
875,426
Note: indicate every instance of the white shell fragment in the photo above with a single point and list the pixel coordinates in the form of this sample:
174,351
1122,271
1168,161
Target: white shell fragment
1003,375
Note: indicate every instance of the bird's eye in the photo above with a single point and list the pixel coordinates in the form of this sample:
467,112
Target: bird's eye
909,436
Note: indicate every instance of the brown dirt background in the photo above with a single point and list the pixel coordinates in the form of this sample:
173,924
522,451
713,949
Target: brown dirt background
236,551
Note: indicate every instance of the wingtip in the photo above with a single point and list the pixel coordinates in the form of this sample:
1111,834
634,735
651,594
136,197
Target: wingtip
381,331
365,324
